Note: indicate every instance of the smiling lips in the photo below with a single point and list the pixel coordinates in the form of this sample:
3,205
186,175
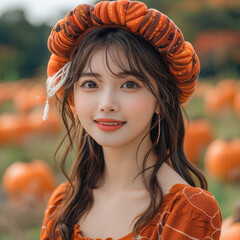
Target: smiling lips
108,124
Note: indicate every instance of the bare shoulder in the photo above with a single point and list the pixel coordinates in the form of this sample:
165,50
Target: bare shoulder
168,177
195,197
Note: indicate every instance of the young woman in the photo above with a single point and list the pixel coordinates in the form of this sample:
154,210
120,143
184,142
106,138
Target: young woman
121,72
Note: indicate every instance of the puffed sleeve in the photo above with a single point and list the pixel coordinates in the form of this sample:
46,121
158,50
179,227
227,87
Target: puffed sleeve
194,214
53,204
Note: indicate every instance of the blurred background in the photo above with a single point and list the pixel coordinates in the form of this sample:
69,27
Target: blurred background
27,144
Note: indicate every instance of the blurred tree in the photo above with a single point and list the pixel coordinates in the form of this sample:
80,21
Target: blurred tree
22,46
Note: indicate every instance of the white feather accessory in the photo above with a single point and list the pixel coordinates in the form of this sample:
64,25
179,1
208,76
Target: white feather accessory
53,87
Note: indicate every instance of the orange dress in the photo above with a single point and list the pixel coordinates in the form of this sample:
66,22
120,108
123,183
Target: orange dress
186,213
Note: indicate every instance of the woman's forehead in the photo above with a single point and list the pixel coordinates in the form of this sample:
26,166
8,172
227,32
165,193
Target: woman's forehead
117,62
113,58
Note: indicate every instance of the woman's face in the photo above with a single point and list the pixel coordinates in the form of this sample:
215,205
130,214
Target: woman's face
114,111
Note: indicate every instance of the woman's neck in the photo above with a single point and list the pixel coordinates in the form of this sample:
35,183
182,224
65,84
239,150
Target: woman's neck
122,166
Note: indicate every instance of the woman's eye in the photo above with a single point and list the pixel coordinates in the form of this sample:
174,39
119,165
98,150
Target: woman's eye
89,84
130,84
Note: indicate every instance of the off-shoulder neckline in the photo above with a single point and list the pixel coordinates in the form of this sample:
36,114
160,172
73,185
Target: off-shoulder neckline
174,189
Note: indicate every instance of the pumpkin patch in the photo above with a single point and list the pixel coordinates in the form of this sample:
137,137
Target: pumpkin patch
213,110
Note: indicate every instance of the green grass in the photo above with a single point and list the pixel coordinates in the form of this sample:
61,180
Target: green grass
226,194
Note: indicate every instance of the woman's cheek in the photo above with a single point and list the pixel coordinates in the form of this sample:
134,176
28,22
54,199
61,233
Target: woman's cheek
143,105
83,105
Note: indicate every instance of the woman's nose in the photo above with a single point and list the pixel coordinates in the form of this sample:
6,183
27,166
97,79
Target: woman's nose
108,102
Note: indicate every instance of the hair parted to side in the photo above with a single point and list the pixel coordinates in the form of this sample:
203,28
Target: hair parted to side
86,172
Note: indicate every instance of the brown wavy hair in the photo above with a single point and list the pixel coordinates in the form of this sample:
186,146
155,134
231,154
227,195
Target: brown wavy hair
87,170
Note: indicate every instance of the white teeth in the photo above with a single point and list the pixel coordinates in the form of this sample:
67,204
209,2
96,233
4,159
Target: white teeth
109,124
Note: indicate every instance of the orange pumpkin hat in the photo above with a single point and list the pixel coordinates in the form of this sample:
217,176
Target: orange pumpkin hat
133,16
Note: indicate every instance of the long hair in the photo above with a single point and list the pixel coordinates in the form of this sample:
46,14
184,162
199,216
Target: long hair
87,170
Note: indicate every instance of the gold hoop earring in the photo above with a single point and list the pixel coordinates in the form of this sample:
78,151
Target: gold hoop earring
85,136
159,121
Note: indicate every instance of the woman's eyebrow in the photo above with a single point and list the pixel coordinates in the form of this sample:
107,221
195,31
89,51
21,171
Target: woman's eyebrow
97,75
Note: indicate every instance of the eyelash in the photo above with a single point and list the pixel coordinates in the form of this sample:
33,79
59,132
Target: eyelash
87,81
136,85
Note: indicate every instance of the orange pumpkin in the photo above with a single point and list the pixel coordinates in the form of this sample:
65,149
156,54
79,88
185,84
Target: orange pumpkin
222,159
28,183
213,101
228,89
220,97
236,103
198,135
12,128
29,97
8,91
37,125
231,225
201,89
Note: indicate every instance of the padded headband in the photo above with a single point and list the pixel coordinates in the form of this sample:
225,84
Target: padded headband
133,16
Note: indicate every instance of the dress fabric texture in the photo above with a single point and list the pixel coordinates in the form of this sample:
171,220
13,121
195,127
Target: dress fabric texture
186,213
